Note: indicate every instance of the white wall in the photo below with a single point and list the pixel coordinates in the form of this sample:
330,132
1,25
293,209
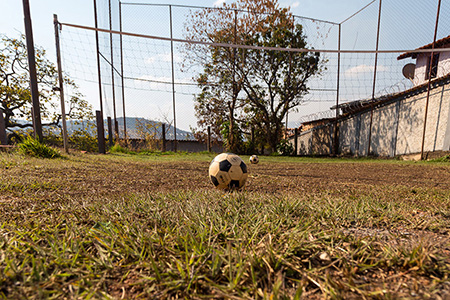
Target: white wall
421,66
397,128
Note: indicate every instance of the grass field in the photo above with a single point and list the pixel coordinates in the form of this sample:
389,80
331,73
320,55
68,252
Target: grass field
153,227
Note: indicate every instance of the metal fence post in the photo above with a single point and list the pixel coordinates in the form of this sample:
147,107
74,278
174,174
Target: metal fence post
110,132
374,79
100,132
116,131
3,137
173,83
112,70
36,110
61,83
121,73
336,128
429,82
99,74
163,137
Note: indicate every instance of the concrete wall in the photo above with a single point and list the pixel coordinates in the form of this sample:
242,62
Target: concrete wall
316,141
397,127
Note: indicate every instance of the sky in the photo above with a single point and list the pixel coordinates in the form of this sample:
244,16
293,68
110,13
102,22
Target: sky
81,12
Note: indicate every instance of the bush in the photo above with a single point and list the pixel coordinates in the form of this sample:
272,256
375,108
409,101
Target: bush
117,148
80,139
83,140
285,148
32,147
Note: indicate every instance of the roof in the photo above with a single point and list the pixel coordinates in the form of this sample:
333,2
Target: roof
439,43
317,121
363,105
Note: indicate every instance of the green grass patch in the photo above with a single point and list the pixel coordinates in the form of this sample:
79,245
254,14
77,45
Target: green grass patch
129,226
32,147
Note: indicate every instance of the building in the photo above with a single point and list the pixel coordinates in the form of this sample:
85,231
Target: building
441,62
394,124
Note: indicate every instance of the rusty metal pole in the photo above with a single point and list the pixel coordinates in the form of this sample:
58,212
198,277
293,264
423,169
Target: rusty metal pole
101,141
61,83
99,74
116,129
336,136
110,132
429,80
121,73
36,110
374,80
173,83
100,132
286,86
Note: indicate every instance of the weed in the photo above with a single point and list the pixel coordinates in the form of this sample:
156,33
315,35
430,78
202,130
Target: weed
117,148
32,147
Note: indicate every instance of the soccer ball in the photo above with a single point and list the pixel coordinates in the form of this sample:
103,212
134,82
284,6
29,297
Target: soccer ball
228,171
254,159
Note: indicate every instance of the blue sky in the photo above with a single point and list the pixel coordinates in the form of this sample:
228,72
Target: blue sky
405,25
81,12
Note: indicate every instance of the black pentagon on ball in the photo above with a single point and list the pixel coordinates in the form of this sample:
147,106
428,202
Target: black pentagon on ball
234,184
224,165
243,167
214,180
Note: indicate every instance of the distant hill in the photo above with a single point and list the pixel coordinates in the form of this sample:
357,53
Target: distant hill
132,128
133,123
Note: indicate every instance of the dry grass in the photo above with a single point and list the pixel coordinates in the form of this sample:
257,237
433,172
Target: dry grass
146,227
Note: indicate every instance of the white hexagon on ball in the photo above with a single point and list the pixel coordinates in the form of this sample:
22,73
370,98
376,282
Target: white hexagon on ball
228,171
254,159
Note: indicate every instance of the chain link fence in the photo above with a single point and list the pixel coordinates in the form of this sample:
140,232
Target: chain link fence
146,73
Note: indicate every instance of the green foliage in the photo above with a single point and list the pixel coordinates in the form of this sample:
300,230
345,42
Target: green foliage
231,143
15,97
149,132
285,148
445,158
52,137
32,147
83,140
117,148
251,88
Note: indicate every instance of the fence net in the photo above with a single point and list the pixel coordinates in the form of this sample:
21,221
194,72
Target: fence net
155,79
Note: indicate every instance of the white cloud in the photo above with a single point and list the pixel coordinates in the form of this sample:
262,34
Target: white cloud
358,70
219,2
295,4
163,58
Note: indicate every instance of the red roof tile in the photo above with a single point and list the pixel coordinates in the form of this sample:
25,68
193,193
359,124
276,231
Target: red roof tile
439,43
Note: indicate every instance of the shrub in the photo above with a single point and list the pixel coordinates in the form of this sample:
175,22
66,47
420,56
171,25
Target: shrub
83,140
32,147
117,148
285,148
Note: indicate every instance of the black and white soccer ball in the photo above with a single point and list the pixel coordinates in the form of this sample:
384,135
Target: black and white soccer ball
228,171
254,159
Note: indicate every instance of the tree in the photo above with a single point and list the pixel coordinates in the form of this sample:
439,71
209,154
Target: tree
255,87
15,95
